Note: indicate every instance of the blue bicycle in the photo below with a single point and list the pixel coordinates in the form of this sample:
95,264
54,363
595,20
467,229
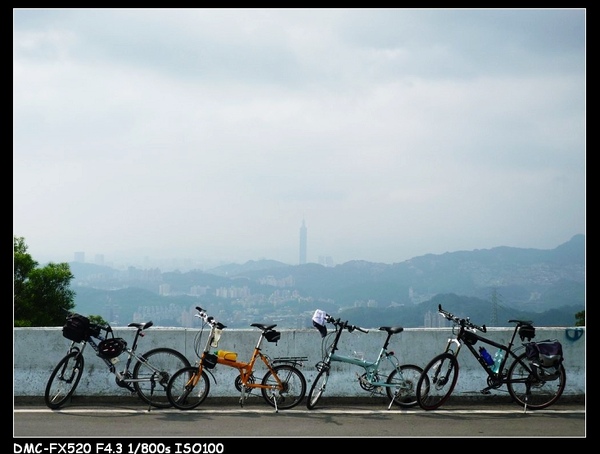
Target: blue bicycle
400,384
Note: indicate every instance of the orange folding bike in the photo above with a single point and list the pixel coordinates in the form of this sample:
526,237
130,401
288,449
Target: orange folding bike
283,386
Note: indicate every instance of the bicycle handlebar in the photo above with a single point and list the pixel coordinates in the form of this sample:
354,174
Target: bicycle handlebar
463,322
344,325
208,318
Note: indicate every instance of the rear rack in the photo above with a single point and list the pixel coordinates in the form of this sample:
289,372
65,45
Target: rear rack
296,360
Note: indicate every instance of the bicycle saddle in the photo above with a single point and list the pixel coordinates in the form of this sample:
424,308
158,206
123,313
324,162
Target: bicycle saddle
263,327
392,329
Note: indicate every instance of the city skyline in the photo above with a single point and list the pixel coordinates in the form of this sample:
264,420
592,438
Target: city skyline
186,264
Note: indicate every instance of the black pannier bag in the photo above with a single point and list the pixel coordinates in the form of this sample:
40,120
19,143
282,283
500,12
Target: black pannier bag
76,327
272,336
545,357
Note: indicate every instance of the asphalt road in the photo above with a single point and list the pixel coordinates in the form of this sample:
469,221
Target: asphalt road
130,421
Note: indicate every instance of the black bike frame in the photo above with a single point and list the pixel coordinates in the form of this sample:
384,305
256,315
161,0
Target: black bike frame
499,377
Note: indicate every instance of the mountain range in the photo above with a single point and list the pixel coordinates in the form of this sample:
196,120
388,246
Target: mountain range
495,284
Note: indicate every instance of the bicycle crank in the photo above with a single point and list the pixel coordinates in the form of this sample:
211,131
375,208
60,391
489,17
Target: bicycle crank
365,384
238,383
123,383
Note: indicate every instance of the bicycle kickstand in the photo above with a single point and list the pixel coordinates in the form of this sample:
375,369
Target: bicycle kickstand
393,398
390,405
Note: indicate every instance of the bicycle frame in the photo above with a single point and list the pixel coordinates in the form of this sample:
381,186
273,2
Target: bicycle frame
246,369
147,376
123,378
245,382
467,335
496,378
371,368
398,383
370,380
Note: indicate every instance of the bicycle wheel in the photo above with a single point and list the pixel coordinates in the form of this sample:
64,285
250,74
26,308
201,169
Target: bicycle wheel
317,388
152,373
437,381
404,379
294,387
64,380
531,391
183,393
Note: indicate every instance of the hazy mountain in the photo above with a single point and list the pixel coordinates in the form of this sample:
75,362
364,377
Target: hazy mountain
530,278
495,284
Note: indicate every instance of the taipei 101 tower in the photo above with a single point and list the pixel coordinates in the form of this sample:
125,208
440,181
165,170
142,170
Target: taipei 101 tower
302,260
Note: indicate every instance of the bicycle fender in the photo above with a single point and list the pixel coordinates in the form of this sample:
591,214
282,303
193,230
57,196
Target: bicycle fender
211,374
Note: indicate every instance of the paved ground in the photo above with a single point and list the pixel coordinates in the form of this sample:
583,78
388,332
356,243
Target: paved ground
223,418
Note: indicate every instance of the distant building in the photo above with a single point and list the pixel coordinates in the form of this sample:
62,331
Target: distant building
302,259
80,257
326,260
164,289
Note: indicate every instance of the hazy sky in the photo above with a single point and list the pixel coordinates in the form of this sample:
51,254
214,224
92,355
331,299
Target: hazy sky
211,134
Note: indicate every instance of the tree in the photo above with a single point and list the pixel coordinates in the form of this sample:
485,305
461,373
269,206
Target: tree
580,318
98,320
41,295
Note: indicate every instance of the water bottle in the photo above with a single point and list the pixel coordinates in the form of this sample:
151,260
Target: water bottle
224,354
498,356
486,356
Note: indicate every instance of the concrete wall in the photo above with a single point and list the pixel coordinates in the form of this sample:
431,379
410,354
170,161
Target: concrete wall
38,350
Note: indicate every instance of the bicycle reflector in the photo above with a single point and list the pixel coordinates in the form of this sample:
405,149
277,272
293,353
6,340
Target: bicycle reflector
111,348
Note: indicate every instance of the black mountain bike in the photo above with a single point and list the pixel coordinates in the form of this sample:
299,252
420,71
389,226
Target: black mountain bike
532,382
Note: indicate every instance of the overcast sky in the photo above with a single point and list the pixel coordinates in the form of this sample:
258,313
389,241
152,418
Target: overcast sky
211,134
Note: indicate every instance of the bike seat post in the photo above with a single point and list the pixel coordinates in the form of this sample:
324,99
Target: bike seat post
387,341
138,334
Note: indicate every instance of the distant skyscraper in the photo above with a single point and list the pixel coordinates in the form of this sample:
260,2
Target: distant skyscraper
80,257
302,260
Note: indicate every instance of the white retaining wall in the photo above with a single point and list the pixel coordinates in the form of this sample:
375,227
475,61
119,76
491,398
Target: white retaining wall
38,350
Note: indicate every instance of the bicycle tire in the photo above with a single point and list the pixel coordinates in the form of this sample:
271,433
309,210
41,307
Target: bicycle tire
181,391
317,389
542,393
63,380
437,381
294,387
404,391
151,384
